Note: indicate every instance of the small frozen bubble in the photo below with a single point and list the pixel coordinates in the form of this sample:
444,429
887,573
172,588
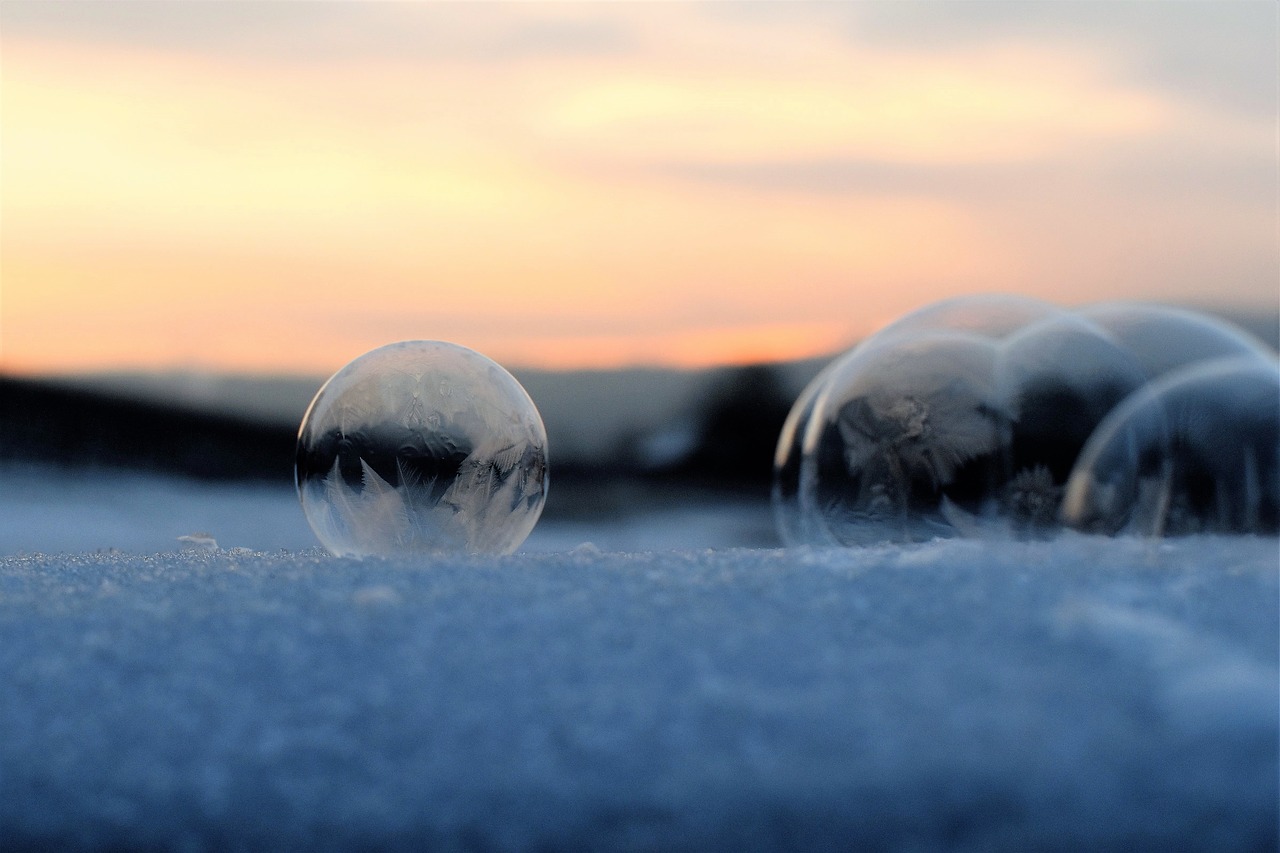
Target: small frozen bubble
1197,451
421,447
901,438
1163,338
1056,379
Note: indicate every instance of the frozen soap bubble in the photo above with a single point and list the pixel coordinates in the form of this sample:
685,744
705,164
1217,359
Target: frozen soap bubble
1162,338
1056,379
421,447
898,438
791,524
990,316
1195,451
994,316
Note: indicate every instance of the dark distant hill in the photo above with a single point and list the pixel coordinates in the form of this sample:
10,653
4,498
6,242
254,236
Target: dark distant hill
52,423
600,423
733,418
708,428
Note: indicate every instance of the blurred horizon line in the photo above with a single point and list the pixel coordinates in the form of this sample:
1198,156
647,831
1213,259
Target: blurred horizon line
1262,321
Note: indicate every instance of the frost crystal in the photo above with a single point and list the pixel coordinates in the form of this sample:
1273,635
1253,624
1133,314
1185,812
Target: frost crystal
422,447
1003,415
1197,451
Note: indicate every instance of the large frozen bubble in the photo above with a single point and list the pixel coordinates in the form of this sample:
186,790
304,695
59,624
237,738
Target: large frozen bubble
792,524
1195,451
799,516
421,447
1056,380
970,415
994,316
1163,338
899,438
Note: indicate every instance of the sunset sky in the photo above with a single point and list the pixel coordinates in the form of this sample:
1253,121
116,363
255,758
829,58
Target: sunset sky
278,187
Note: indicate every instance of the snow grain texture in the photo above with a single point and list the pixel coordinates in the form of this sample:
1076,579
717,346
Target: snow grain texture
1082,693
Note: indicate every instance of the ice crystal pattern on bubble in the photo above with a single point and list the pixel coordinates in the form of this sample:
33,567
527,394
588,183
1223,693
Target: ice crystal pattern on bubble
991,415
1197,451
900,434
422,447
991,317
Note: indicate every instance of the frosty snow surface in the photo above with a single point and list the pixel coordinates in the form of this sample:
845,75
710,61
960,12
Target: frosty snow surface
1085,693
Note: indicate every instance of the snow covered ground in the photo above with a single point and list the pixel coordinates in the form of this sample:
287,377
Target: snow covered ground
656,689
49,510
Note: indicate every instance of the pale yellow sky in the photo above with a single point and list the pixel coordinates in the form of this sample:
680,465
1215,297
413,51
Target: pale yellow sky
279,187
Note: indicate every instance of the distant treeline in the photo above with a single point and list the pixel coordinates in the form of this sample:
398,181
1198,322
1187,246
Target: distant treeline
51,423
733,426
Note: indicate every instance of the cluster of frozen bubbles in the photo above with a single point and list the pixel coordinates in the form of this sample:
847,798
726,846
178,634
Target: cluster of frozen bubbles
1002,415
981,415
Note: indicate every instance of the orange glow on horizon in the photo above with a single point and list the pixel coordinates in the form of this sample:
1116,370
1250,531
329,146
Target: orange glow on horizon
711,190
690,350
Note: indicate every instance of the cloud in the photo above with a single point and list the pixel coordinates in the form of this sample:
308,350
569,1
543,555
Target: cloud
561,176
1222,53
328,32
1156,173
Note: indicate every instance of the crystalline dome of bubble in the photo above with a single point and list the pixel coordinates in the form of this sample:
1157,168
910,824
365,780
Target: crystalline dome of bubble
791,524
1057,379
898,435
909,436
421,447
1196,451
989,316
994,316
1163,338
